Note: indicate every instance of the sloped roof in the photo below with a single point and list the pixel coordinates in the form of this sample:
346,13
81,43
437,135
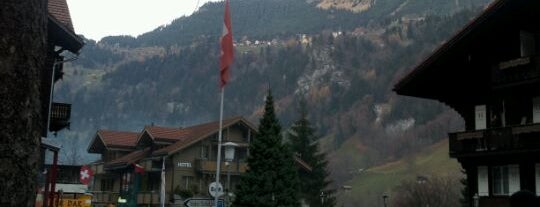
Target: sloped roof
196,133
402,87
118,138
159,133
60,11
112,139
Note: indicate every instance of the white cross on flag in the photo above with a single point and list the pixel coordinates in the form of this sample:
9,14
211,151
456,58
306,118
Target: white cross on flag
86,175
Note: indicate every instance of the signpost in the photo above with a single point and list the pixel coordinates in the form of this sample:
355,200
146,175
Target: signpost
215,189
203,202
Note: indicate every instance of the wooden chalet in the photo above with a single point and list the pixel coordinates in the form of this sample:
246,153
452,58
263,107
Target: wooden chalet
189,155
489,73
61,37
190,160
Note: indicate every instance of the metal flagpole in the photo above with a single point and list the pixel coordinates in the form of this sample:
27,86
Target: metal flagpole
218,167
162,189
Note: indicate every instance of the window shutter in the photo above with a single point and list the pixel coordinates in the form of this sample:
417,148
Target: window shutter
483,189
537,172
480,117
536,110
513,180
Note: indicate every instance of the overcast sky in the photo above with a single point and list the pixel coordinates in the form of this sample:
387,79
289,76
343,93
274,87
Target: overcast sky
99,18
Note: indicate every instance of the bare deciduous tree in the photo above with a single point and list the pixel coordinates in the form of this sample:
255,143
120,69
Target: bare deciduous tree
432,191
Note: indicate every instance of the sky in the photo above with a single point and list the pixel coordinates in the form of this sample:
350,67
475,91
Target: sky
99,18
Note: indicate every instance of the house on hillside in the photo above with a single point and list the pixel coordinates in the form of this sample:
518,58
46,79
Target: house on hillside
489,73
61,40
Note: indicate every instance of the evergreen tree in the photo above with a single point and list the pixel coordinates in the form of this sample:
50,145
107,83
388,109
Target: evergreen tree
314,184
271,179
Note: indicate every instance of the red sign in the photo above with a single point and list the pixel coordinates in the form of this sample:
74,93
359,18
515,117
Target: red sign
86,175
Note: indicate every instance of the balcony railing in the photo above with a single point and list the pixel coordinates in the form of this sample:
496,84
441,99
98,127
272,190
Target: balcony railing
209,166
512,138
102,198
60,115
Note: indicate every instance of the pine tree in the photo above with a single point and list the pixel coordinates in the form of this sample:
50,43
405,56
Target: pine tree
313,185
271,179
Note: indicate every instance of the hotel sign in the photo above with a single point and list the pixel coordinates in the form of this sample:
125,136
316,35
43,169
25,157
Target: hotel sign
183,164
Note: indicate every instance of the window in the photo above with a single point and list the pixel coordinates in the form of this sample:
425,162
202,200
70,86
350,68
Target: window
536,110
505,179
204,152
483,189
537,173
527,44
107,184
500,180
187,181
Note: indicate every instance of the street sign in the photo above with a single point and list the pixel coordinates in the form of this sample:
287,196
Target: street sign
85,174
215,189
203,202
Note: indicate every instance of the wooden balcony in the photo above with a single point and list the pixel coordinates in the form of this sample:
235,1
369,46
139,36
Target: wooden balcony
103,198
60,115
209,166
496,140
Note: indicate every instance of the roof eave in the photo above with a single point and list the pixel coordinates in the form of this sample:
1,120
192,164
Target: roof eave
401,87
72,41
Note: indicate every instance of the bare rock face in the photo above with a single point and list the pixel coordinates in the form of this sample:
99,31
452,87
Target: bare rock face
352,5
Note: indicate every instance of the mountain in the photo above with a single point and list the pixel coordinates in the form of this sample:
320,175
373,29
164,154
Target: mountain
343,63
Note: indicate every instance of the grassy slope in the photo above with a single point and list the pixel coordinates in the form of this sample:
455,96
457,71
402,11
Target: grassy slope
368,186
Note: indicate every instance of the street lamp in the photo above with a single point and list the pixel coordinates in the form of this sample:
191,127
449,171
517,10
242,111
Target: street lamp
385,197
322,198
476,199
229,157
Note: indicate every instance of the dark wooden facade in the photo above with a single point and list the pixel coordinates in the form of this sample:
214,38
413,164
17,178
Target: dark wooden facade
489,73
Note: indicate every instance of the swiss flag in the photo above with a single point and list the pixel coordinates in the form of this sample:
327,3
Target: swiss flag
86,175
227,49
138,169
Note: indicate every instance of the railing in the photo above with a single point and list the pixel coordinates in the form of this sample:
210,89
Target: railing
102,198
209,166
516,70
494,140
60,115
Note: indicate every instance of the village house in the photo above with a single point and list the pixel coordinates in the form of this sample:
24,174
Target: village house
489,73
189,154
61,40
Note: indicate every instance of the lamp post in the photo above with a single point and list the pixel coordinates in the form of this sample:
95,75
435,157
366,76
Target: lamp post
229,157
476,199
322,198
385,197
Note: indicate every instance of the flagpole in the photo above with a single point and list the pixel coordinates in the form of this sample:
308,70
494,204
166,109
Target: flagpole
162,188
220,134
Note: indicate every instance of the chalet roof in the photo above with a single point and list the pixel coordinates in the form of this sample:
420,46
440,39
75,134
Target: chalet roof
60,31
113,139
498,13
60,11
118,138
193,134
